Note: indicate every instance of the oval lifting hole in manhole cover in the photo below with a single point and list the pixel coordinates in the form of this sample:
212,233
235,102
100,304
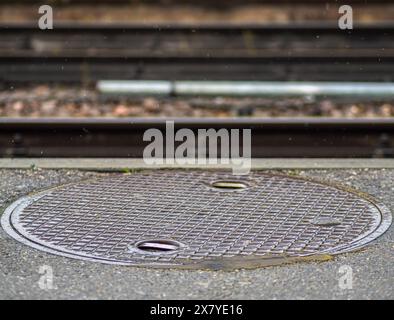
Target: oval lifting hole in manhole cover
326,222
230,185
169,218
156,246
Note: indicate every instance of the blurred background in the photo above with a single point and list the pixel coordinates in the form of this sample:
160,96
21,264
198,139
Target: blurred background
173,58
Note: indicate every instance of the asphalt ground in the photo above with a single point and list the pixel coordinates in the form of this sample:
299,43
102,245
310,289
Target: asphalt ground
372,269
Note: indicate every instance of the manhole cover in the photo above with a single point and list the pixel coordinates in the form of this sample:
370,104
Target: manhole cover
196,219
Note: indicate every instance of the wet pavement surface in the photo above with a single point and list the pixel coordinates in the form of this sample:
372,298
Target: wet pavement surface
22,268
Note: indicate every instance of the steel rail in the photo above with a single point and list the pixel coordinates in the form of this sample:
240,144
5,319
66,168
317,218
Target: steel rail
225,3
298,52
271,138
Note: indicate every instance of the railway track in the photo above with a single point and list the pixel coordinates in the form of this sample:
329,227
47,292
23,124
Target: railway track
287,138
200,2
300,52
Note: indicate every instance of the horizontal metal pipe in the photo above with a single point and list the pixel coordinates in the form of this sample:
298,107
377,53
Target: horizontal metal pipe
284,88
247,88
135,87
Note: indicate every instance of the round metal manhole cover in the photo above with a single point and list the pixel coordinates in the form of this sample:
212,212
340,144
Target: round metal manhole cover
196,219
